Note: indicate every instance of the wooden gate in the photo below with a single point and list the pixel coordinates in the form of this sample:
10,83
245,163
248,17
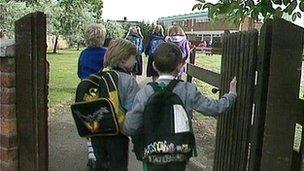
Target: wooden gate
31,92
258,133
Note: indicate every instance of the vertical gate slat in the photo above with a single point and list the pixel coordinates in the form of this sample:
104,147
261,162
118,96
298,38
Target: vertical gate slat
219,125
226,116
239,103
231,115
221,122
264,51
249,95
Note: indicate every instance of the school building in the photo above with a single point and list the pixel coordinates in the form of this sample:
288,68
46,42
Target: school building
198,26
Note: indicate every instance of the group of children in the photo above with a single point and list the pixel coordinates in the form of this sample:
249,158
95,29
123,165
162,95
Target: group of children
165,63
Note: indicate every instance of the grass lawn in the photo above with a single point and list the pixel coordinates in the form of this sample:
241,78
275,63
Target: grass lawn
63,77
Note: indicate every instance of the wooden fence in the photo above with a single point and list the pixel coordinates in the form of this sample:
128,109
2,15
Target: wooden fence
258,133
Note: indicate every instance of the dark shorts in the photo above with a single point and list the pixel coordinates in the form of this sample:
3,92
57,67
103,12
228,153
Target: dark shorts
150,70
111,152
137,69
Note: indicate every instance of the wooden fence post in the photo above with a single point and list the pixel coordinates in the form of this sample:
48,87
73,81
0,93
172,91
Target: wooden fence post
191,61
31,92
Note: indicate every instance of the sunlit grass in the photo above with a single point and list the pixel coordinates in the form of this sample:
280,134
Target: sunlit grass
63,77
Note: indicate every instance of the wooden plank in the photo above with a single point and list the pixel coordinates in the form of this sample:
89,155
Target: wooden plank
240,101
231,115
227,115
205,75
218,162
286,50
246,115
31,104
223,118
26,127
300,113
218,141
42,89
191,61
264,52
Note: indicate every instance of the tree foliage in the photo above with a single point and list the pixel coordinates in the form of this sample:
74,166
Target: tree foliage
236,10
10,11
114,30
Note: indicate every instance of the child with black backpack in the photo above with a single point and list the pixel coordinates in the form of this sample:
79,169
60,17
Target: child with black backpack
155,40
102,100
161,114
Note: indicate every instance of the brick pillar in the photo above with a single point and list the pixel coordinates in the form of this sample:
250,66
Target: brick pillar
8,128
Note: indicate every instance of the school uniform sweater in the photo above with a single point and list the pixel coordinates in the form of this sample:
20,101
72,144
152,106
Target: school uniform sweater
90,61
188,93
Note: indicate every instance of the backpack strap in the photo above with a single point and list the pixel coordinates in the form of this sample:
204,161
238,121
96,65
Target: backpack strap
172,84
169,87
153,85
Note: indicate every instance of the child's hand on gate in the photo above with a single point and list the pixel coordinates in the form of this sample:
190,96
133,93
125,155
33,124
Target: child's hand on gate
233,85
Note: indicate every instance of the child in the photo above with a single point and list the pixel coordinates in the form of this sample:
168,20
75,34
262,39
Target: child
134,35
168,61
90,62
156,39
91,59
112,151
177,36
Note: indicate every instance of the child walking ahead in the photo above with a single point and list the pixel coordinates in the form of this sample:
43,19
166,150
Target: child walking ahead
155,40
112,151
177,36
91,61
163,146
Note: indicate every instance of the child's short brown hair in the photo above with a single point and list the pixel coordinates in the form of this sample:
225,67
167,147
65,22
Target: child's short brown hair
119,50
95,35
167,57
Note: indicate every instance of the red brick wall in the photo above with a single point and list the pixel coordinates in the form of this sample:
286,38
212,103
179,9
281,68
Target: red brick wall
8,127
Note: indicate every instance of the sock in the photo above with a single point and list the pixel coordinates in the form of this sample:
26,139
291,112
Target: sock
90,150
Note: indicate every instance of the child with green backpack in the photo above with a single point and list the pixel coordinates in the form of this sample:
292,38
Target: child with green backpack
160,119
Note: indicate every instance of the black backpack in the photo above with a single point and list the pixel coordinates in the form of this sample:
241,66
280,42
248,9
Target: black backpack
97,110
168,135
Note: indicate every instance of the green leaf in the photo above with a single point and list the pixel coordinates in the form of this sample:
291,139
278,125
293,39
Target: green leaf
201,1
250,3
298,14
197,6
278,12
289,9
208,5
294,16
301,6
277,2
286,2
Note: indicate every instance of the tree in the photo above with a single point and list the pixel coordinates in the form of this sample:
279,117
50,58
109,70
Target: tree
10,12
146,30
97,8
114,30
76,15
236,11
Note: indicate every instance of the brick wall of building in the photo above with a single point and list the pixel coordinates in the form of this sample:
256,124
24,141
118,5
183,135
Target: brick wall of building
8,127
